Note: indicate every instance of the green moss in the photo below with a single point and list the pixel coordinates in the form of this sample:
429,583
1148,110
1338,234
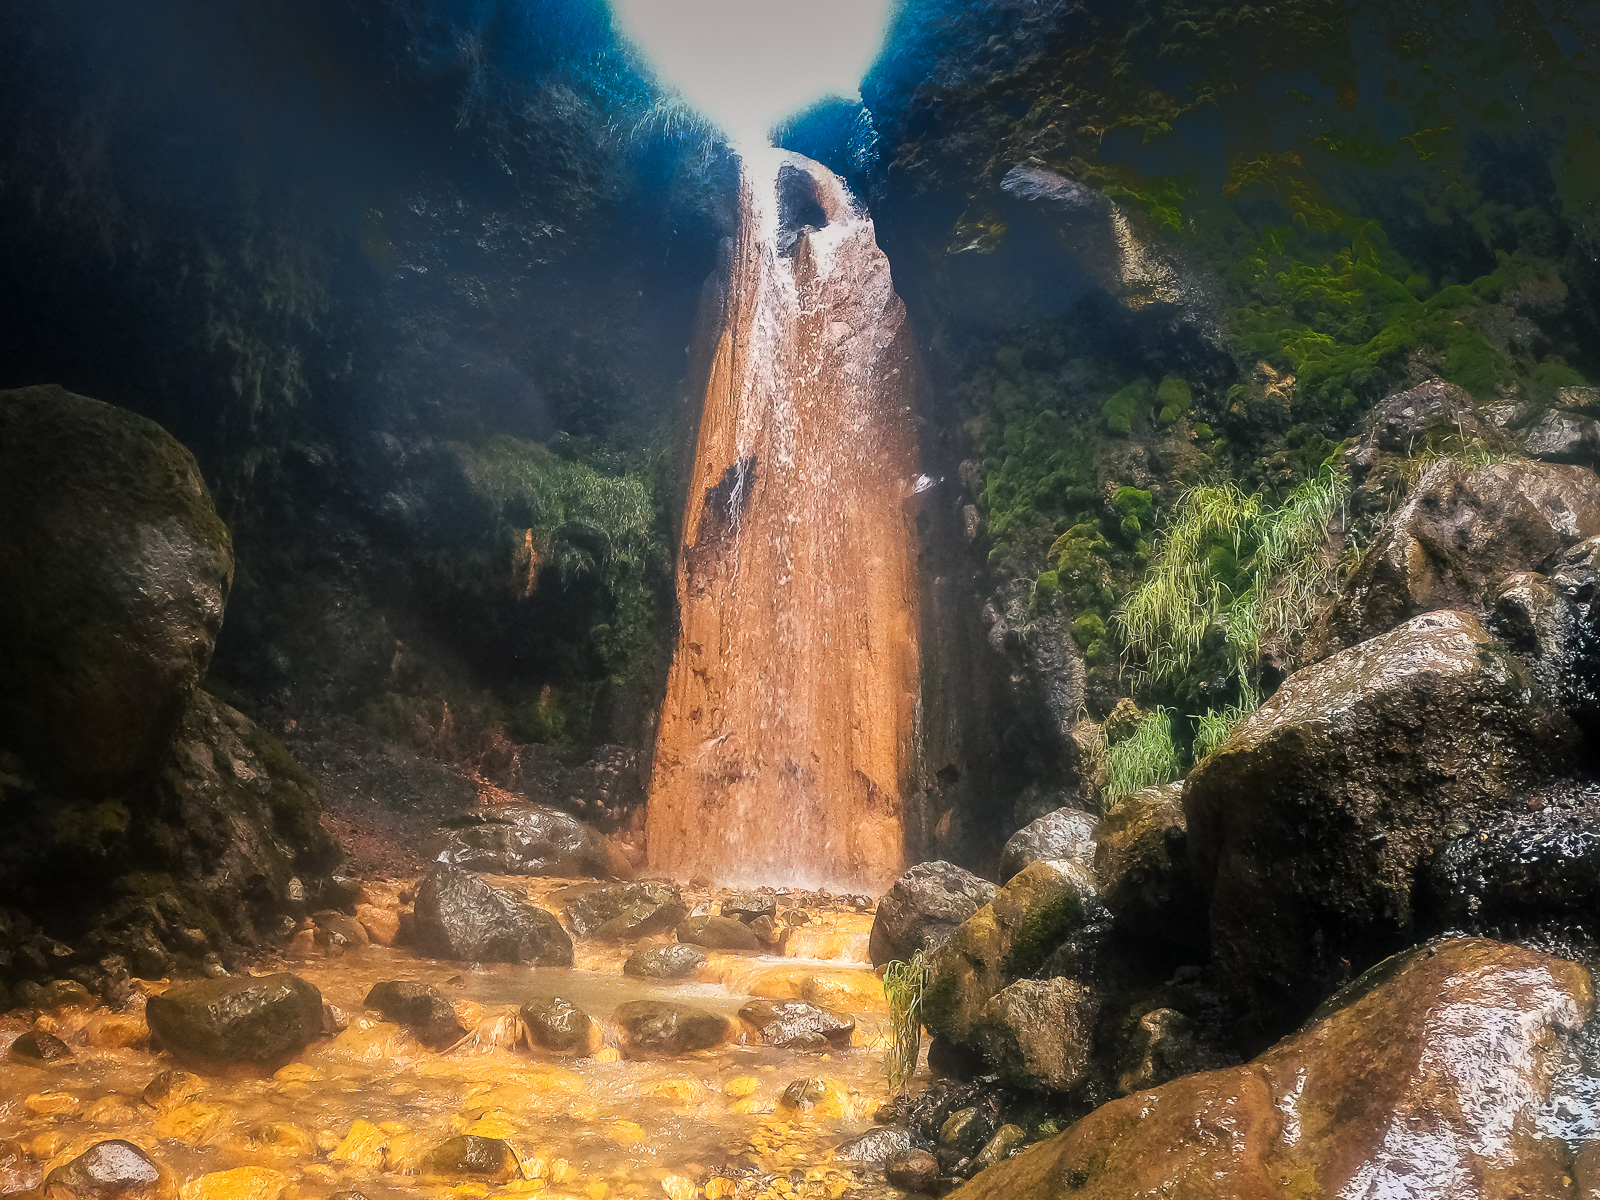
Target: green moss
1121,410
1088,629
1046,586
1173,398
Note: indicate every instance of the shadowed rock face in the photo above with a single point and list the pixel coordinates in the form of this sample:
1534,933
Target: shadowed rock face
1427,1085
459,916
524,839
1461,531
114,569
1310,827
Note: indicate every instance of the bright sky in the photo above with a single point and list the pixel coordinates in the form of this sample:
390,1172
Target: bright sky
747,64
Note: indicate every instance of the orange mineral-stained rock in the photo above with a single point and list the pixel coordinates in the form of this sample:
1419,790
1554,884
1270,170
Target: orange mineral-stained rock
786,742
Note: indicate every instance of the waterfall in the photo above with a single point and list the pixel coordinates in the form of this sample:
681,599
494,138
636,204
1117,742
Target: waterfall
786,742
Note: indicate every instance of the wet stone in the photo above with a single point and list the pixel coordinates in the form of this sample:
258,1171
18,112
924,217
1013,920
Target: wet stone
523,839
789,1023
557,1024
876,1146
661,1027
18,1172
719,933
111,1170
1008,1139
923,908
965,1132
421,1008
473,1157
620,911
171,1088
747,906
913,1171
65,993
459,916
36,1046
665,962
803,1095
336,931
264,1021
1066,833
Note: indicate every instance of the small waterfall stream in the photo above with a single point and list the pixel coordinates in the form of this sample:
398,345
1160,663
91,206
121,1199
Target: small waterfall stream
786,742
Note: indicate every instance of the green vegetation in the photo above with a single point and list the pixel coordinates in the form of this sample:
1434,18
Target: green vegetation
903,985
1173,398
1122,408
1145,757
1212,728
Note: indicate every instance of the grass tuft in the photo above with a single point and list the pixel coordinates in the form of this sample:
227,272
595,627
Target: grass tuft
1147,757
903,985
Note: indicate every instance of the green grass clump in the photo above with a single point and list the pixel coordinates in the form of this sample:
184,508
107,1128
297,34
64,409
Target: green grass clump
903,986
1213,727
1144,758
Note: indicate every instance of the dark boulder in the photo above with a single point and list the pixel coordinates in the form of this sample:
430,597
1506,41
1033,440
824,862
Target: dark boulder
558,1025
1141,862
784,1023
913,1171
749,906
618,911
660,1027
112,1170
1038,1034
114,568
923,908
421,1008
1066,833
1461,531
1310,827
459,916
473,1157
524,839
1433,1084
262,1021
38,1047
720,933
664,962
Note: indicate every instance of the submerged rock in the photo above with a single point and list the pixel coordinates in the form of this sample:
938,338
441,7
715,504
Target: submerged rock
661,1027
1460,532
788,1023
421,1008
1067,833
618,911
1429,1084
114,568
459,916
218,1022
1050,913
665,962
876,1146
719,933
1310,827
558,1025
36,1046
524,839
913,1171
110,1170
474,1157
923,908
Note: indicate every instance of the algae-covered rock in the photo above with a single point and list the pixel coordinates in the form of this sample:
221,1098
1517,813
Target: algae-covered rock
1066,833
459,916
1050,912
1310,827
114,568
421,1008
218,1022
1038,1033
1460,532
923,908
1431,1084
1141,863
524,839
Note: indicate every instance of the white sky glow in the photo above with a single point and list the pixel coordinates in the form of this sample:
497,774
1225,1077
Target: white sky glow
748,64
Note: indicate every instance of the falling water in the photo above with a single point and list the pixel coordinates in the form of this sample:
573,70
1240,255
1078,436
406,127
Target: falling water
786,739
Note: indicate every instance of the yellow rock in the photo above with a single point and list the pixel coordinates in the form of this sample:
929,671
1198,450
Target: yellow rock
562,1172
625,1133
52,1104
363,1146
750,1106
597,1190
679,1188
47,1145
108,1110
468,1012
718,1188
607,1054
298,1073
745,1085
847,991
115,1031
240,1183
287,1139
583,1110
382,924
408,1151
369,1043
677,1091
492,1125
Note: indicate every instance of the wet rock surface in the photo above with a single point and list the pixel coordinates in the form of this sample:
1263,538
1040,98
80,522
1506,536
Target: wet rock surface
557,1025
109,1170
1067,833
659,1027
36,1046
665,962
1039,1034
796,1024
623,911
1460,532
474,1157
218,1022
527,839
1141,862
460,916
1311,826
923,908
719,933
421,1008
1417,1085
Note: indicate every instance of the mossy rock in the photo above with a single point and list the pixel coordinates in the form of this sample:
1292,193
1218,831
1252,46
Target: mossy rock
1173,398
114,569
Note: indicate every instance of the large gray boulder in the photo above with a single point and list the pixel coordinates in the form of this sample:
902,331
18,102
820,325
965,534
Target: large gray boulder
1461,531
459,916
923,908
1066,833
524,839
114,568
1310,826
262,1021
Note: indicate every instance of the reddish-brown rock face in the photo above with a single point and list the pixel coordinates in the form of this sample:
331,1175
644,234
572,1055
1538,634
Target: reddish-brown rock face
1427,1086
786,739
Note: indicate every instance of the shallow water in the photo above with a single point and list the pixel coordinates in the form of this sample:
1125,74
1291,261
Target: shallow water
363,1108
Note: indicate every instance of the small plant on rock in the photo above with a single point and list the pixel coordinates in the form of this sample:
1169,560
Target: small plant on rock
903,984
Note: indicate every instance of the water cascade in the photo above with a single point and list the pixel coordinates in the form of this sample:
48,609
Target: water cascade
785,746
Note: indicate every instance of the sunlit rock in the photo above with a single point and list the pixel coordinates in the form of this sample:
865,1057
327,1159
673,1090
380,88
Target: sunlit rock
1429,1080
560,1026
795,1024
1066,833
923,909
665,962
112,1170
523,839
265,1020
